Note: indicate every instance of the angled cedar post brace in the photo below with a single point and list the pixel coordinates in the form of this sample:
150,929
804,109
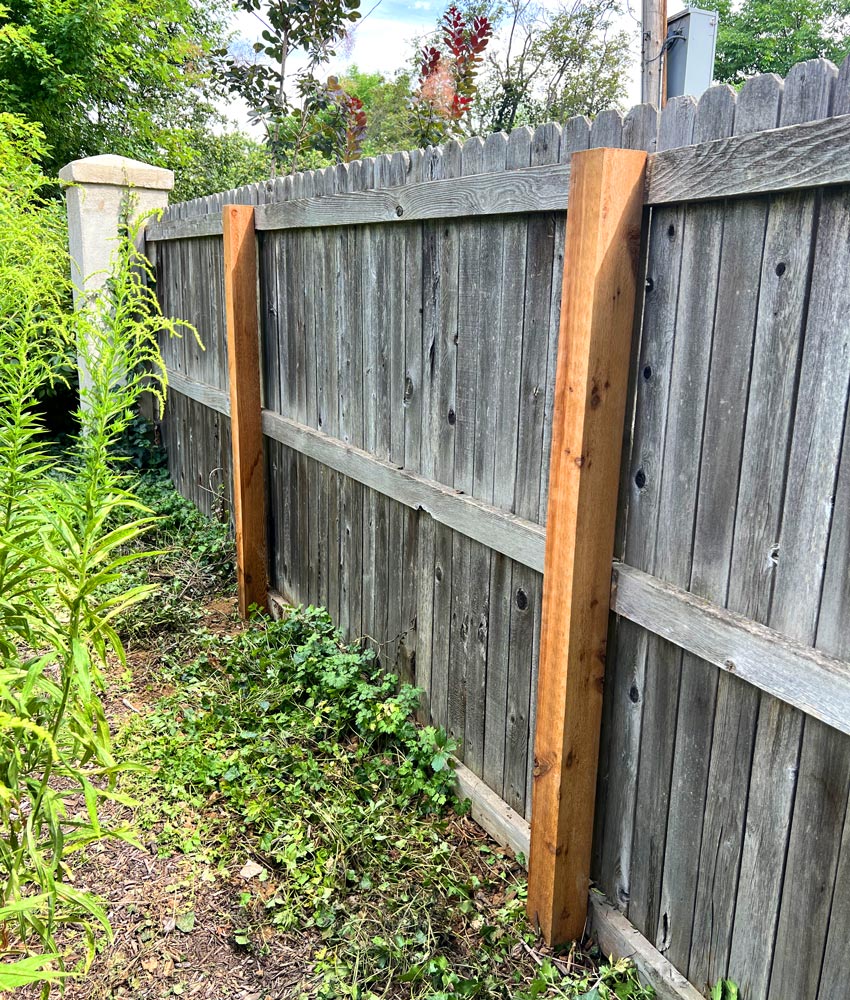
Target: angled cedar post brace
604,215
243,363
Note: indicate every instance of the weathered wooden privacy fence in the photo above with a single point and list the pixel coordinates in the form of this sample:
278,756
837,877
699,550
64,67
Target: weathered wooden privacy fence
413,383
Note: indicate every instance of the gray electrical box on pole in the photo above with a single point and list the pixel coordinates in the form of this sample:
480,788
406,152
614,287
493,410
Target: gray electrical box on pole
691,41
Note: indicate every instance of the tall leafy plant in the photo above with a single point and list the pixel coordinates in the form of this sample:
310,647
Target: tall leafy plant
65,524
297,111
447,76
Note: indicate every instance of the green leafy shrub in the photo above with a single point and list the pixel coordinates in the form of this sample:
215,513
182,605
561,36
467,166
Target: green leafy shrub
65,525
187,556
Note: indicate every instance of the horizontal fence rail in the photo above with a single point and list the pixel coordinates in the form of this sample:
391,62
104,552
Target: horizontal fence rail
799,675
803,156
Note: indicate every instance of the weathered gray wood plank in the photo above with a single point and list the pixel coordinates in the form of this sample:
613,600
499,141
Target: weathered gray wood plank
369,238
796,588
326,394
819,805
702,227
734,720
421,269
640,131
834,636
206,395
468,639
541,255
800,675
525,605
730,336
643,499
792,158
349,338
394,305
531,190
442,247
412,664
178,228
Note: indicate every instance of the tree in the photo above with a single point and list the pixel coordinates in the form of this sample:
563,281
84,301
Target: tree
553,64
123,76
447,76
770,36
297,110
385,104
218,162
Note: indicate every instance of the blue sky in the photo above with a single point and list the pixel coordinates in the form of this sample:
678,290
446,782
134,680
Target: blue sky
381,40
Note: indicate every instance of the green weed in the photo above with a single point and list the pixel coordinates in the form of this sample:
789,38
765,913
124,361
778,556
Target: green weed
287,746
66,525
724,989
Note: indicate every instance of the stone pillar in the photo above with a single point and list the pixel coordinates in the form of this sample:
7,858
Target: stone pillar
96,196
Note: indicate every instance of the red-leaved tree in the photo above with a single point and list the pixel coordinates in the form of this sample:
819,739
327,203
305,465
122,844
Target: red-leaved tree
446,86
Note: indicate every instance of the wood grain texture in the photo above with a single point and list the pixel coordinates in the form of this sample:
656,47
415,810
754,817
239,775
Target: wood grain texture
600,271
524,594
702,226
243,350
799,675
730,336
800,539
531,190
641,498
520,540
812,154
760,437
179,228
616,936
819,805
206,395
834,635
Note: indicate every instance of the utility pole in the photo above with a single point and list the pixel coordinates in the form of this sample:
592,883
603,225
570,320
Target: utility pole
653,36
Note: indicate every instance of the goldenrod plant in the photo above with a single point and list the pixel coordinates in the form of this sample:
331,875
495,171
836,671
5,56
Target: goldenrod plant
66,524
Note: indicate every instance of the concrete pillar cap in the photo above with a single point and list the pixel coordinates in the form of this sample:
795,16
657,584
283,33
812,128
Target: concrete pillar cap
117,171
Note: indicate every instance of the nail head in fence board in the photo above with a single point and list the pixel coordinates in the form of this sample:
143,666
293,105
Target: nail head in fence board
243,354
600,277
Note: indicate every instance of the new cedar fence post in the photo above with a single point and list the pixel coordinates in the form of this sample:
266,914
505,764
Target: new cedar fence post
604,214
243,363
